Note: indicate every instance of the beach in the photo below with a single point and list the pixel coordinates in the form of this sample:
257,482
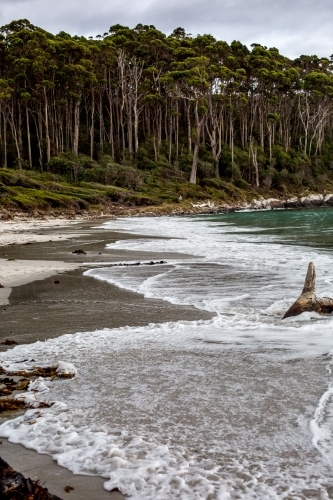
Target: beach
34,308
189,384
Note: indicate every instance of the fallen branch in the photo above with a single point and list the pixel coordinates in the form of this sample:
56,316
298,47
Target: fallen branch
308,300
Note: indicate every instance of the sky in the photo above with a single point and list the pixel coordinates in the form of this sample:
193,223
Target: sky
295,27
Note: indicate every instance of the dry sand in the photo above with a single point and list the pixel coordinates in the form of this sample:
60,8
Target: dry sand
31,230
19,272
77,303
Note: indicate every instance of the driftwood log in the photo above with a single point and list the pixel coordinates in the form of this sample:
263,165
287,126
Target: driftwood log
15,486
308,300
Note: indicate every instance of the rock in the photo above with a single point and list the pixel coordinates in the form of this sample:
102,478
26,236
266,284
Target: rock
5,215
274,203
68,489
80,252
9,342
256,204
312,200
292,203
308,300
1,286
264,204
328,200
56,282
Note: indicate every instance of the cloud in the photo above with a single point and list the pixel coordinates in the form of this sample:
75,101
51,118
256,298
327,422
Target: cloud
294,26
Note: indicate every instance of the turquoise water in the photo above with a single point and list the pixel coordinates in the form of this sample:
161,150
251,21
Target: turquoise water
309,227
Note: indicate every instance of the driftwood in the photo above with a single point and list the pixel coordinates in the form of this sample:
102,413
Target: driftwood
308,300
15,486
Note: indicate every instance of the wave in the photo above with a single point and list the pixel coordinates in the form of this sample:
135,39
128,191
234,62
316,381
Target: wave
140,413
191,410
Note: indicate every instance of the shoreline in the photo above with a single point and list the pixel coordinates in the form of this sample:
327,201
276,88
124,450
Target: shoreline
51,310
186,209
77,303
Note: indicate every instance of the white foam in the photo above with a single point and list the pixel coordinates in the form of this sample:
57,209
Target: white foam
143,442
66,368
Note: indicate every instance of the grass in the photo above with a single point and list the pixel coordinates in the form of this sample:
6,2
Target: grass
31,191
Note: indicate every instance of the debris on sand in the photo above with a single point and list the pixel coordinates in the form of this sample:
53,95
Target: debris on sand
68,489
14,486
130,264
19,381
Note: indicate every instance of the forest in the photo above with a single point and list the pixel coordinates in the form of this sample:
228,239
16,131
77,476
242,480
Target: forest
134,106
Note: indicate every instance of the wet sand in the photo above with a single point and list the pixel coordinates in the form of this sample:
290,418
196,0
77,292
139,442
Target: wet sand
43,309
53,477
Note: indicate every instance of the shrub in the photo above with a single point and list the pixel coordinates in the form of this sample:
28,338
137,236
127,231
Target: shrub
241,183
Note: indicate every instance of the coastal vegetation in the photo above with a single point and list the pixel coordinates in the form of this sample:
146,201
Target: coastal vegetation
140,118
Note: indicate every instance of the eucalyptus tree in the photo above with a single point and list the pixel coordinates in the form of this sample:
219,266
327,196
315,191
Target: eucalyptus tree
132,90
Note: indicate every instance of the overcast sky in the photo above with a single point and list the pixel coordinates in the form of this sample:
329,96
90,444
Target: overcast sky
294,26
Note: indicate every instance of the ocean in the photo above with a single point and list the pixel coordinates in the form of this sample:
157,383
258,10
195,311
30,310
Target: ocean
236,407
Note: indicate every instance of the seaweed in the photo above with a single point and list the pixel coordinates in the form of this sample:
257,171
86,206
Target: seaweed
10,404
8,385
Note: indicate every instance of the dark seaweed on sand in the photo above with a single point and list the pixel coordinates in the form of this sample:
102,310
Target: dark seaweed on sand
14,486
8,385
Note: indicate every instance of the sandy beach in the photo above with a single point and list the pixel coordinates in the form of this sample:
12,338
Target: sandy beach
45,295
164,404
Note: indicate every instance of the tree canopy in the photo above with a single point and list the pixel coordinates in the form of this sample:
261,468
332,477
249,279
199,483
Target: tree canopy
139,96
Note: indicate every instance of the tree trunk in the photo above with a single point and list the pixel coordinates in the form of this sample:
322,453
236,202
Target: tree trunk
76,127
5,140
92,124
14,134
29,138
232,146
198,122
19,130
47,132
101,123
189,129
253,154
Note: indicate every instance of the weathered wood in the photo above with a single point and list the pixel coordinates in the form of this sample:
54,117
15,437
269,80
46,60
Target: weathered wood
310,280
308,300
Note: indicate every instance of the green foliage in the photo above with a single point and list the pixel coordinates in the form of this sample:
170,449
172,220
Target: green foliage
142,112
